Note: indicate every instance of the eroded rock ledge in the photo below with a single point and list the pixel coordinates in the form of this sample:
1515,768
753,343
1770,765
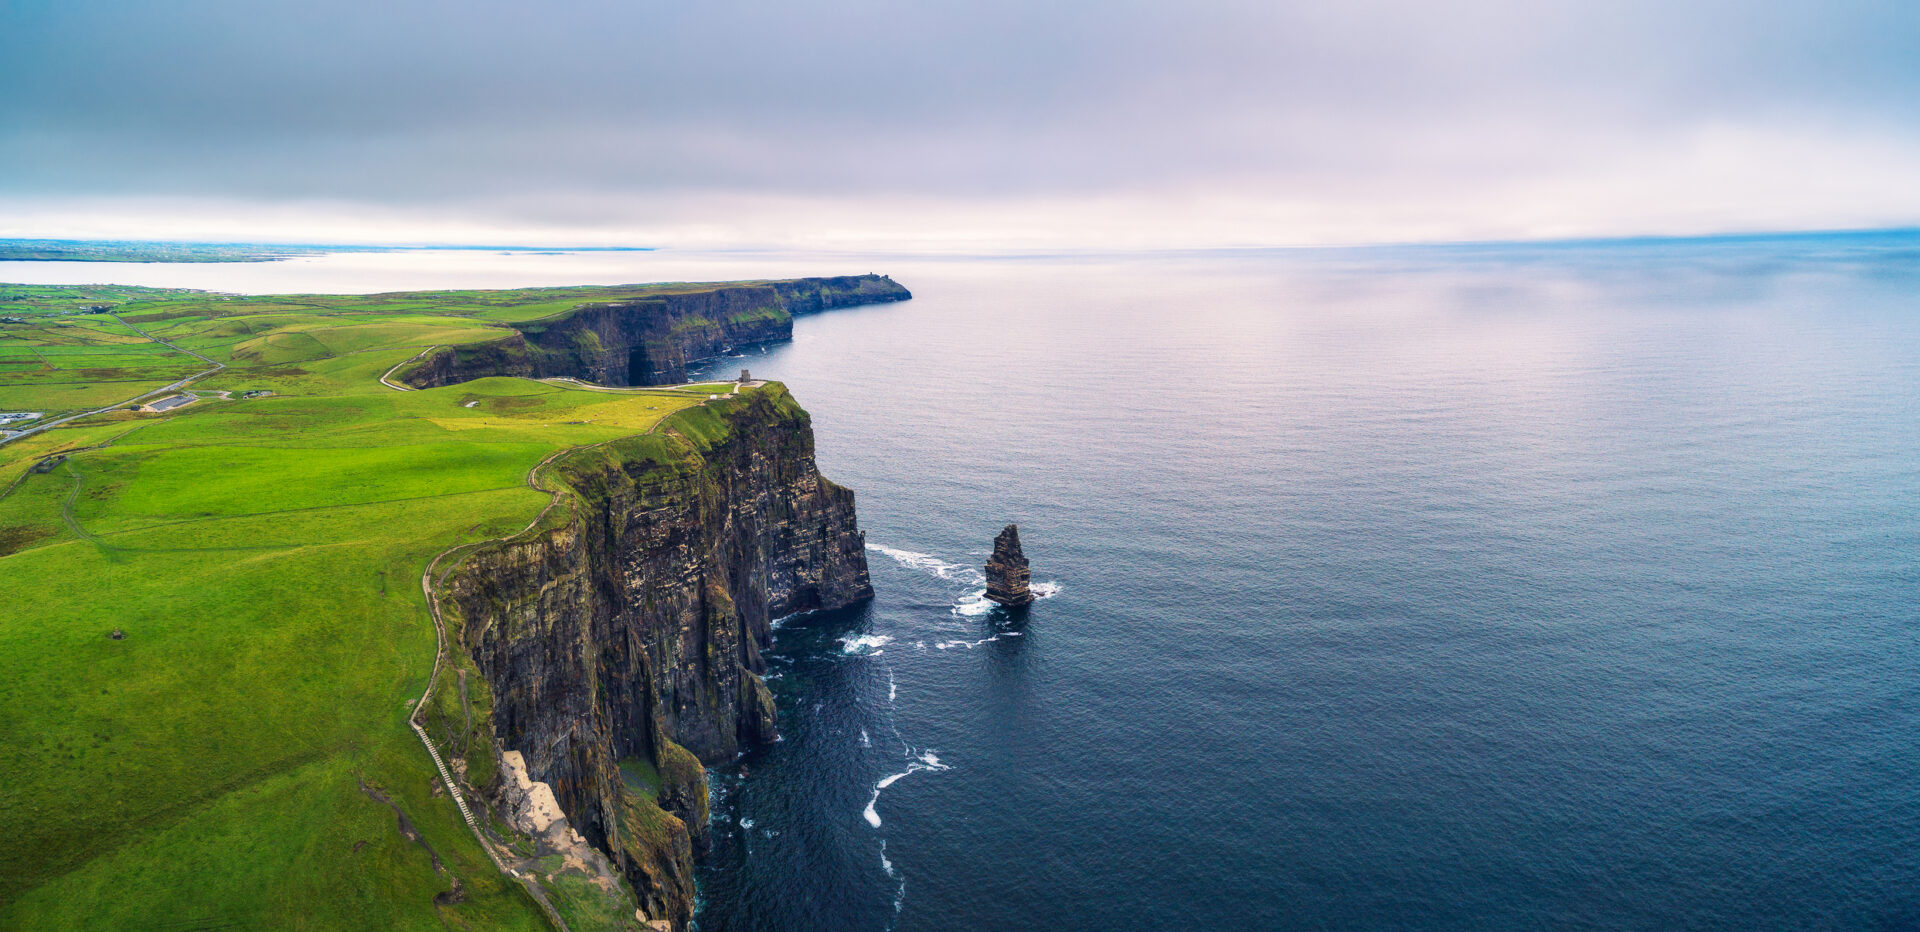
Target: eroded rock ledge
651,339
620,642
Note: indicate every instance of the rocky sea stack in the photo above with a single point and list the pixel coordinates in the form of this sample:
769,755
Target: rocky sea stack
1007,570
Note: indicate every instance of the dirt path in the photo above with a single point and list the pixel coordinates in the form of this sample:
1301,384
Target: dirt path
440,653
629,389
532,886
387,380
66,507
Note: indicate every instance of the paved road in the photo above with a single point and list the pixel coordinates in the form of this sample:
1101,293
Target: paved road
183,383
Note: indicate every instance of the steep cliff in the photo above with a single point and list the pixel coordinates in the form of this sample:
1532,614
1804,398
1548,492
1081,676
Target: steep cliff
650,339
1007,573
620,642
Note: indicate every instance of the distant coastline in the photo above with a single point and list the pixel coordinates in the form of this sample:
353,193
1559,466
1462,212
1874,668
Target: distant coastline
75,250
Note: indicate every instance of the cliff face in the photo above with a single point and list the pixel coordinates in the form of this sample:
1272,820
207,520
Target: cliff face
650,340
622,643
1007,573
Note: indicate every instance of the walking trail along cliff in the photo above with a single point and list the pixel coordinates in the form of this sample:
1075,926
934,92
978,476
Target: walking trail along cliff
219,698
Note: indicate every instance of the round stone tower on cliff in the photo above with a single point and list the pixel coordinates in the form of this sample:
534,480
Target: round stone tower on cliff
1007,570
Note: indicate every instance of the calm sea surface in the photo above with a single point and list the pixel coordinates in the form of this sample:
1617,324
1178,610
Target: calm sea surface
1446,588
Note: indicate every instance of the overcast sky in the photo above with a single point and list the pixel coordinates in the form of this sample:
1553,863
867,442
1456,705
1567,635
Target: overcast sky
938,124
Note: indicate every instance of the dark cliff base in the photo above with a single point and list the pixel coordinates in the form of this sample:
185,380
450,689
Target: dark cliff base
621,641
651,340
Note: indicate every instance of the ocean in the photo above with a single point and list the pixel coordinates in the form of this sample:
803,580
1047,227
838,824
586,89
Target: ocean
1463,587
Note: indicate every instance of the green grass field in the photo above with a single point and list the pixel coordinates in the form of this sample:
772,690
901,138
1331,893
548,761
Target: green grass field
225,764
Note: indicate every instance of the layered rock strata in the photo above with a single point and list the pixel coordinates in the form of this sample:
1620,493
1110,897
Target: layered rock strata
621,640
651,338
1007,575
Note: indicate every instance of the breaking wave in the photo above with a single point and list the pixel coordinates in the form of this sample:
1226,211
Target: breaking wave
925,761
868,644
944,645
930,564
971,603
976,603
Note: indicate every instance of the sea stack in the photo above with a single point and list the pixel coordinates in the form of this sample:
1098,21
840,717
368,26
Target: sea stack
1007,570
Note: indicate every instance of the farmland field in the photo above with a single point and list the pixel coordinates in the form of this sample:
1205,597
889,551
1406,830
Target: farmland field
216,628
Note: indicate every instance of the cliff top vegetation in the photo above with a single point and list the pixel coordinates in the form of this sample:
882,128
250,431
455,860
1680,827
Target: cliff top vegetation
214,622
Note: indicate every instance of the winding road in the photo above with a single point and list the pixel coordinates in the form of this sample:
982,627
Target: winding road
386,378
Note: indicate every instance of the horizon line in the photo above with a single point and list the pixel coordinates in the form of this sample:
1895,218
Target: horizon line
1547,241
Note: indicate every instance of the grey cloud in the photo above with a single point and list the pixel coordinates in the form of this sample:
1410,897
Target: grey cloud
439,103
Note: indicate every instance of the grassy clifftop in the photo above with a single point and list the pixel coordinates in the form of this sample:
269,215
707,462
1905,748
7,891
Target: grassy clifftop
213,623
651,338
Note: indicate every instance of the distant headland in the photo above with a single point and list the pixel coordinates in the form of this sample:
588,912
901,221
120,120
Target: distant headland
103,250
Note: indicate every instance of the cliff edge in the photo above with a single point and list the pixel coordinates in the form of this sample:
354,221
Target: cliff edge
620,642
650,339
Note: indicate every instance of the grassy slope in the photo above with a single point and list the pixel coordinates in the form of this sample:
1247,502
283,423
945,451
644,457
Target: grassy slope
263,557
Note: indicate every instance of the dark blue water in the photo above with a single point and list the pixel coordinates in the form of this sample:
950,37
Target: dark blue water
1487,588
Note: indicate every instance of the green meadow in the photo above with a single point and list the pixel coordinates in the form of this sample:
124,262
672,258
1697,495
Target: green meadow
235,757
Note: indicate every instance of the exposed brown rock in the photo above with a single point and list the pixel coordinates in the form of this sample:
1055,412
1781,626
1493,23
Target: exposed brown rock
634,629
1007,570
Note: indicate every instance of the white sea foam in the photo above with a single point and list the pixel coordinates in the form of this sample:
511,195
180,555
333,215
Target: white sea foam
893,691
924,761
943,645
972,604
976,603
930,564
863,644
865,741
746,823
888,865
